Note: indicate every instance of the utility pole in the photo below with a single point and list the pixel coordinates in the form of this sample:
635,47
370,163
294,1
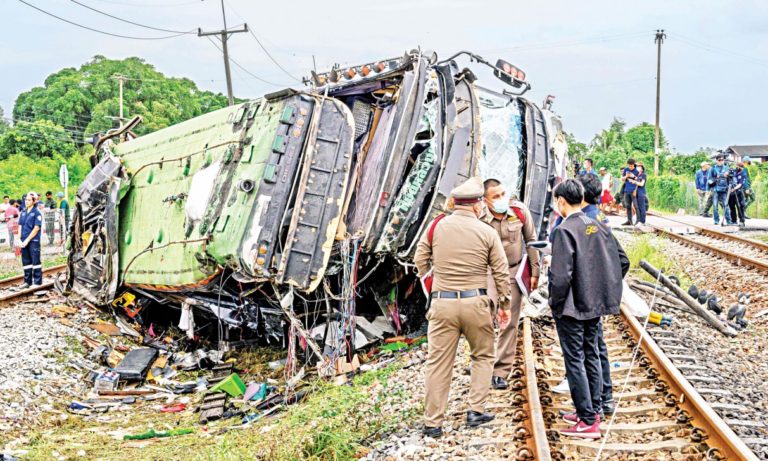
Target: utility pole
660,36
223,36
121,79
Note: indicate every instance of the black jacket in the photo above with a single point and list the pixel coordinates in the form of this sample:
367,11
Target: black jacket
588,265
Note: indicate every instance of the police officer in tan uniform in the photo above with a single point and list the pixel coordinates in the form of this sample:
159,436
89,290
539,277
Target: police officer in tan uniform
513,222
461,250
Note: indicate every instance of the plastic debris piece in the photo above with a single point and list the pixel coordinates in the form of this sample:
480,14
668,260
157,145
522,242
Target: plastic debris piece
150,434
232,385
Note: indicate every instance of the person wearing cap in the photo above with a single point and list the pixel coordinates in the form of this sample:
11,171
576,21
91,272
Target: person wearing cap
30,222
585,276
628,188
718,182
749,195
736,197
705,197
458,250
513,222
64,209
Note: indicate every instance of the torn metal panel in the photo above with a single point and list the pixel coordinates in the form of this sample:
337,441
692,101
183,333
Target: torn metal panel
462,157
93,258
401,139
324,178
417,187
269,215
538,155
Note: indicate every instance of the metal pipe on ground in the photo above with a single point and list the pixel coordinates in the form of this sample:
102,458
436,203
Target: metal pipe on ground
686,298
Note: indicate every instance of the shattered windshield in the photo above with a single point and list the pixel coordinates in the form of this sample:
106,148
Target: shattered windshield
502,136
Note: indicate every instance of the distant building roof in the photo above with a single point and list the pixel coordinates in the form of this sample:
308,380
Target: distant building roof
751,151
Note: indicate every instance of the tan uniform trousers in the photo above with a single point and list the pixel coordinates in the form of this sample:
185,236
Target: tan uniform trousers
448,320
507,340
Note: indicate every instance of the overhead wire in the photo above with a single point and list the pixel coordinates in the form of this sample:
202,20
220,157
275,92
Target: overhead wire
130,37
132,22
263,48
572,42
243,68
714,49
114,2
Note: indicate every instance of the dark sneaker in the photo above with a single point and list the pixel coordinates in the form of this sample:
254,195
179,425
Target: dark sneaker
609,407
626,223
497,382
434,432
583,430
475,418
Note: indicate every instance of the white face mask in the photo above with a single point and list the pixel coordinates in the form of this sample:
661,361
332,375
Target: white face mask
501,205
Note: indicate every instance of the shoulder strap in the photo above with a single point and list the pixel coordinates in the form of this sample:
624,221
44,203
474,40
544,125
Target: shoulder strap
431,230
519,213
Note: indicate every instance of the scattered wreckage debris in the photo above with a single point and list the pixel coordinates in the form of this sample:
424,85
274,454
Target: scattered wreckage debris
291,220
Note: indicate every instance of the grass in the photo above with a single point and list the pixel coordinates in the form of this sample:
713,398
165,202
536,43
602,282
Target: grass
47,262
333,423
651,249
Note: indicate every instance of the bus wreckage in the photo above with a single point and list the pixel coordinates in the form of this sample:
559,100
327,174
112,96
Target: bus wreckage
293,218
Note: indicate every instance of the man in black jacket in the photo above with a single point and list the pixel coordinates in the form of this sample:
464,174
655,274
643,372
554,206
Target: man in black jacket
585,275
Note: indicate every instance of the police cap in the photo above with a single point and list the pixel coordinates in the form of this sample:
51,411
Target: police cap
469,192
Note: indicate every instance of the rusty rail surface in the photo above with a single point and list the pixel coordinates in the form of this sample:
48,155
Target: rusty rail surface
717,234
4,283
733,257
537,443
716,433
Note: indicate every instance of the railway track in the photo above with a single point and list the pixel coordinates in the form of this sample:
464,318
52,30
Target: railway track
660,414
9,290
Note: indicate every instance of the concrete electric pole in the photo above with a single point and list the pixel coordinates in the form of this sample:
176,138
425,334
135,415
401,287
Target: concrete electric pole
223,36
660,36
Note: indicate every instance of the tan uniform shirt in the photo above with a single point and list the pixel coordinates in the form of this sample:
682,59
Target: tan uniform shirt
514,235
462,249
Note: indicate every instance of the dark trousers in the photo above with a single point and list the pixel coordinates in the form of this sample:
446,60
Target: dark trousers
578,340
642,207
605,366
737,204
629,201
33,268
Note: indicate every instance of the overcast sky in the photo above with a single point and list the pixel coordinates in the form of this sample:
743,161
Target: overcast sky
597,57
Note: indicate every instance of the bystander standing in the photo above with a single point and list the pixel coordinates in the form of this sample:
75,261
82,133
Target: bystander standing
628,189
705,196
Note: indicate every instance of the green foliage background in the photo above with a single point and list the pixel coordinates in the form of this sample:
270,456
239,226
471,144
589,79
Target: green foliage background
53,124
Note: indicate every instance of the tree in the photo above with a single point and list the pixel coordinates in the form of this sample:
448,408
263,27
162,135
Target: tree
3,122
36,140
640,138
576,149
83,100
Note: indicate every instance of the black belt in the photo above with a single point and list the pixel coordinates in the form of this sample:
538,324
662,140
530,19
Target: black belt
459,294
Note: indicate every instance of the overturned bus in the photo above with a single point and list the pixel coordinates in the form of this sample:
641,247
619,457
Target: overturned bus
296,215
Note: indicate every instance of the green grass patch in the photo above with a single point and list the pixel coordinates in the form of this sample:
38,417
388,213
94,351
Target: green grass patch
48,261
651,249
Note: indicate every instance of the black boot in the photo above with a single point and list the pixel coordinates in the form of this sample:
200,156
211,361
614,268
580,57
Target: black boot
475,418
609,407
497,382
434,432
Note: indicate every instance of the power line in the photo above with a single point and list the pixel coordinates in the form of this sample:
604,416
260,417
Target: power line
713,49
180,32
244,69
97,30
271,57
569,43
151,4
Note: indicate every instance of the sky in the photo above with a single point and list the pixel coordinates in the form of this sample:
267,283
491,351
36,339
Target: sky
597,57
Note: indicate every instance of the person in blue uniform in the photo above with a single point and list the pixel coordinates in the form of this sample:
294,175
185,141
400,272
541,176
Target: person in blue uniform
30,222
630,198
641,198
736,201
718,183
705,198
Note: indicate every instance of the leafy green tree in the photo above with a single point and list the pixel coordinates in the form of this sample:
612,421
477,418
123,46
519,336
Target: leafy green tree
640,138
3,122
20,174
686,164
577,150
86,99
36,140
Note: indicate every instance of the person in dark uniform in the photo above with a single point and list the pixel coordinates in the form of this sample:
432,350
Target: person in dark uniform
718,183
736,201
49,216
585,276
639,193
30,222
630,198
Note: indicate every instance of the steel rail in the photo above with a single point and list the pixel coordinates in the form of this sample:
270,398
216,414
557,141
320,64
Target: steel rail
537,443
733,257
717,234
18,278
719,437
